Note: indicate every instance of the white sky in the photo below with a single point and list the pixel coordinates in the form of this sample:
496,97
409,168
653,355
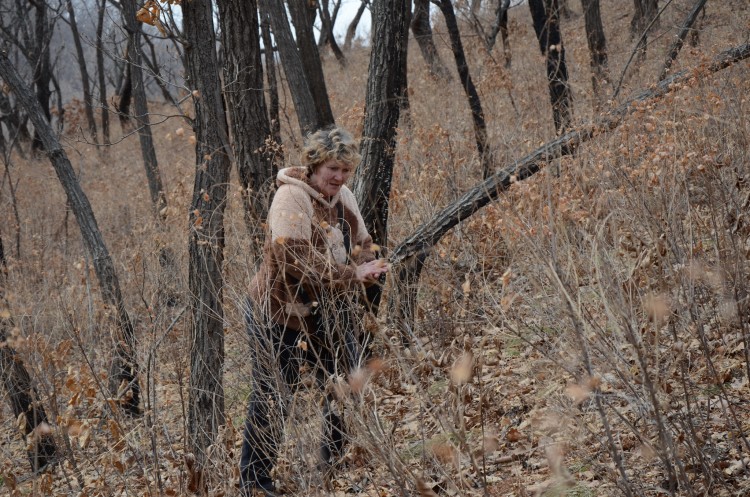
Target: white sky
346,13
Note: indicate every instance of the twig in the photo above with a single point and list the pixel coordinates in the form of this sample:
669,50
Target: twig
638,44
674,50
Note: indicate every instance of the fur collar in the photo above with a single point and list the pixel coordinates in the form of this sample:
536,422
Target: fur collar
298,176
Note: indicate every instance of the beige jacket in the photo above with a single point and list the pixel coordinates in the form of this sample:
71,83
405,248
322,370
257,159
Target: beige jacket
305,249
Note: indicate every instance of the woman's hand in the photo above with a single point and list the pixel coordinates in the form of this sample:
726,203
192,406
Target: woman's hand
371,271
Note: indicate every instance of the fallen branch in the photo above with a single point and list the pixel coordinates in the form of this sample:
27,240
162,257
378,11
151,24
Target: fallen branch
428,234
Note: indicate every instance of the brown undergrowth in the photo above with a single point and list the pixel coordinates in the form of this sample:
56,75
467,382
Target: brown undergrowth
584,335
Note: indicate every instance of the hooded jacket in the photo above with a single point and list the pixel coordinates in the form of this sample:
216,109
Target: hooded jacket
304,258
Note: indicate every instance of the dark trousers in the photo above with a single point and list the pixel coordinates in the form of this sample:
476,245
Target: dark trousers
277,355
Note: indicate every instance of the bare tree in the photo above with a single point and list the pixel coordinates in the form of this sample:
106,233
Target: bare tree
14,121
386,86
206,237
326,30
304,105
88,106
644,12
597,43
544,14
125,93
141,117
246,106
351,30
644,19
101,9
26,405
422,29
477,114
24,400
41,64
303,15
501,26
273,87
674,50
123,380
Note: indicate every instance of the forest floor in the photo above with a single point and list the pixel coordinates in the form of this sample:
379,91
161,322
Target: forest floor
585,335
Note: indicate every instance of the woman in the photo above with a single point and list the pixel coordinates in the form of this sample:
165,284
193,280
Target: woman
317,258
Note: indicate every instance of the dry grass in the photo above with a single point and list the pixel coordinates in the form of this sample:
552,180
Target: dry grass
618,298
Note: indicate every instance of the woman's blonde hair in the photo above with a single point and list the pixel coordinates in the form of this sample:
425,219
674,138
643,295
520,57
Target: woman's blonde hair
330,143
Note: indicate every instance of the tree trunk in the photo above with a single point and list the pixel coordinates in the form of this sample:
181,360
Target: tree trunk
501,26
420,26
674,50
413,251
597,46
644,13
564,9
352,29
17,130
273,87
153,66
243,73
42,72
125,95
141,117
123,379
327,33
477,114
25,402
547,28
88,105
307,113
100,71
303,16
206,237
386,86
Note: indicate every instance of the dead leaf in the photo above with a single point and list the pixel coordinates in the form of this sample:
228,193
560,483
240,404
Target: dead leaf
462,369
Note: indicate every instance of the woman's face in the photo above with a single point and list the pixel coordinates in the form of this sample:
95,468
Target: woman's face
330,176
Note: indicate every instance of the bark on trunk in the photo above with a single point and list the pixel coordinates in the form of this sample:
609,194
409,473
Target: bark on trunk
597,43
100,71
87,99
273,87
303,16
123,379
17,130
42,72
547,27
243,73
420,26
304,105
206,236
141,117
25,404
477,114
501,26
125,95
386,86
